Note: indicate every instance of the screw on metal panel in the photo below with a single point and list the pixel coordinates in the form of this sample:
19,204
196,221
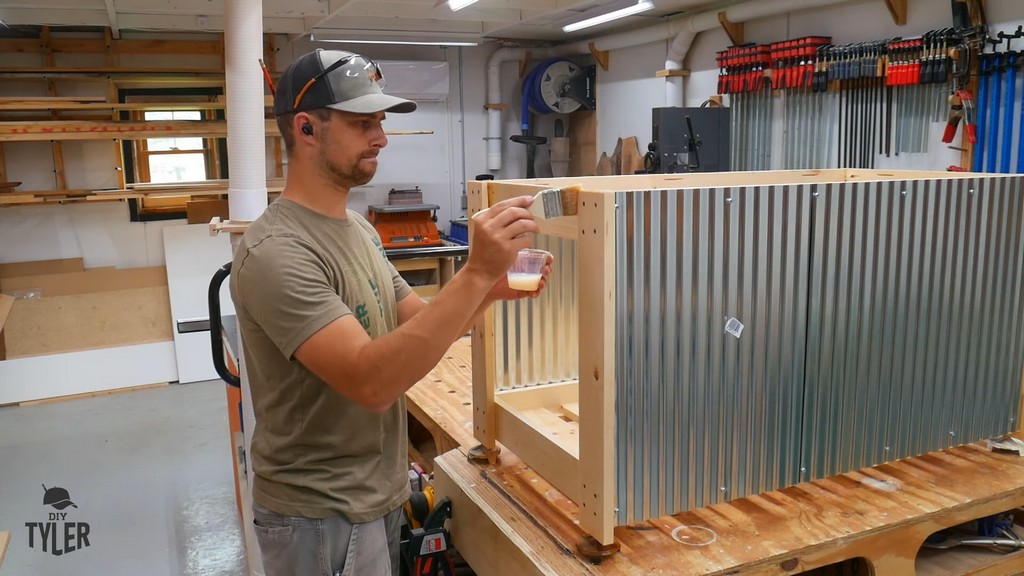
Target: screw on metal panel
728,200
814,194
616,510
886,448
903,192
723,489
970,191
803,470
951,433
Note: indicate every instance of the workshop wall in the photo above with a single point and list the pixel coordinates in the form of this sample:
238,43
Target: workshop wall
631,77
441,163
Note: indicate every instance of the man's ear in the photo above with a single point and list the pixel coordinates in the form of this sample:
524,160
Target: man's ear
303,124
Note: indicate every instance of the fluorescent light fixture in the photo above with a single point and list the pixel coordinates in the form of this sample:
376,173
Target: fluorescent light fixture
641,6
457,5
396,42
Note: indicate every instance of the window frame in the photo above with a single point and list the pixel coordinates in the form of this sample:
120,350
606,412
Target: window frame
136,153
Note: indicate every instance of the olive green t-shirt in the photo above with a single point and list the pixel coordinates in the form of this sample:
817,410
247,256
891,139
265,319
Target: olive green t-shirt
315,453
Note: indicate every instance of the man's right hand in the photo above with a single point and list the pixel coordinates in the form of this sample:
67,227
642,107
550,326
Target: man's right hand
499,233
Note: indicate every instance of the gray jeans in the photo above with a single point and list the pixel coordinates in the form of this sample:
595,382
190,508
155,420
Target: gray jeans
295,546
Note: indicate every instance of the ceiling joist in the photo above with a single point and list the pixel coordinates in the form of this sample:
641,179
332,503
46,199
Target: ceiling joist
112,16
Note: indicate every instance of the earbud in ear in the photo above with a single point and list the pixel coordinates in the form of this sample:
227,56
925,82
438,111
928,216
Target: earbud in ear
307,129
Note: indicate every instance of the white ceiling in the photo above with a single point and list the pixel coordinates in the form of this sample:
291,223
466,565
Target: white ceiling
521,20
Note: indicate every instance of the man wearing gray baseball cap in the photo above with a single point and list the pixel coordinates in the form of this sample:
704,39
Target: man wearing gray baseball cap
333,335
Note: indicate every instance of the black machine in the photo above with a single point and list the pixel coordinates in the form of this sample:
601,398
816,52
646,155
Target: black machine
688,140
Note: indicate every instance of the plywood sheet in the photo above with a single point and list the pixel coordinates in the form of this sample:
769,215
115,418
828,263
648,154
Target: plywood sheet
37,267
51,376
87,281
88,321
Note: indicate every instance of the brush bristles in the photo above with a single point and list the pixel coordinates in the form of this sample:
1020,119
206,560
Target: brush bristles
551,200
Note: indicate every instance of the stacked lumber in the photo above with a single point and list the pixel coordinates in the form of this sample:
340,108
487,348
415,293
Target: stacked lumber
205,189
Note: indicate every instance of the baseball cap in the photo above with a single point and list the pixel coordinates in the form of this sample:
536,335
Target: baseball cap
57,497
335,79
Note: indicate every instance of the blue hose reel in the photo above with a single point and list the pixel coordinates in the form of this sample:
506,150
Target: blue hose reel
556,85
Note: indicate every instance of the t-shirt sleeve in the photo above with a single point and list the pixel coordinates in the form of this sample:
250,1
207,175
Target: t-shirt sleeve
287,289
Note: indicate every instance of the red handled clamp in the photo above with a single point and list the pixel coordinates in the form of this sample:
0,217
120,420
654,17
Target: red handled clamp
961,105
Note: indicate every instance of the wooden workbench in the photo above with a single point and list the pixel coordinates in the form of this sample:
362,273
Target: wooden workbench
507,520
440,407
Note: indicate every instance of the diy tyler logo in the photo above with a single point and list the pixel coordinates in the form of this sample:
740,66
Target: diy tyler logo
58,536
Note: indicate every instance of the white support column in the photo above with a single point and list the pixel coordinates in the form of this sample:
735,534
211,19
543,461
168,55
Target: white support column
247,144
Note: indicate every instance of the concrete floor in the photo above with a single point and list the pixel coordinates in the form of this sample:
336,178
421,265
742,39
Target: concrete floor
149,471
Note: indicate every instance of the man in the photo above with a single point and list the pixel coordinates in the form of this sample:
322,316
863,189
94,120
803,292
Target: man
333,336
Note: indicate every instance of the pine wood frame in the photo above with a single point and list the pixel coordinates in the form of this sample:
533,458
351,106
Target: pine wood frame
580,463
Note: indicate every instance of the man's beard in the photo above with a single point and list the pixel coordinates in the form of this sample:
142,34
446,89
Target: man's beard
345,176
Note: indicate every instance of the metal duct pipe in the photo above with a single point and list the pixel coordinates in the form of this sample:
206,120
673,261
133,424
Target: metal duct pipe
682,29
677,51
247,145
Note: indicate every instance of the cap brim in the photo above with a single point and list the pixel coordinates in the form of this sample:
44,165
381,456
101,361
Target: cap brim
373,103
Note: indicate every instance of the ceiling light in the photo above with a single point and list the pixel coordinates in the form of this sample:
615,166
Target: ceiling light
456,5
418,39
641,6
398,42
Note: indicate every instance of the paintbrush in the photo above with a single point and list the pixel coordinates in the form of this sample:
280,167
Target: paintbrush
553,203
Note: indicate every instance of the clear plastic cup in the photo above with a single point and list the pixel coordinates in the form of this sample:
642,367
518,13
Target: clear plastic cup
525,273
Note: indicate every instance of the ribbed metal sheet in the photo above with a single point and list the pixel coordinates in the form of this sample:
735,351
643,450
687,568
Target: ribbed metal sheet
914,330
880,320
703,416
538,340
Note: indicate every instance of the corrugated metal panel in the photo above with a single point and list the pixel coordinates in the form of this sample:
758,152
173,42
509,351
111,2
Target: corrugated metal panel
914,331
880,320
702,415
538,339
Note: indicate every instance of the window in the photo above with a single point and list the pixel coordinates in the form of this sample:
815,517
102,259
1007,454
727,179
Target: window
172,162
167,160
